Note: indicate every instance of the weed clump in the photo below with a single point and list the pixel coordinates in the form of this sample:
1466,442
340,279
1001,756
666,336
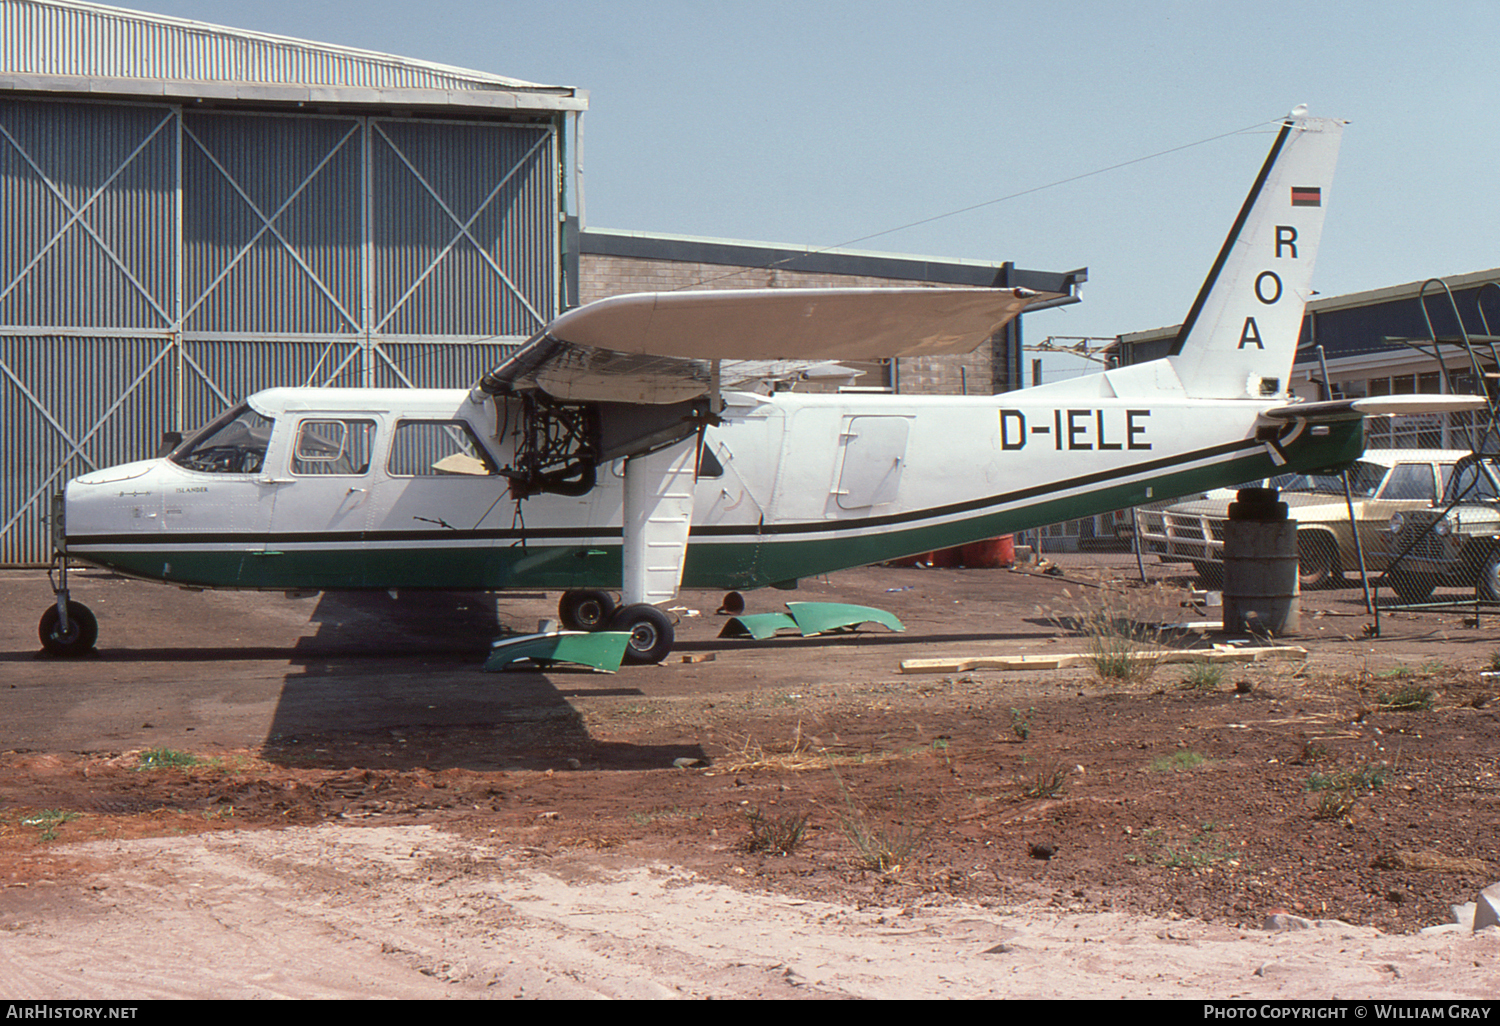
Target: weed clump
47,821
1123,631
798,754
1202,850
1366,777
1335,804
1020,723
1341,790
775,835
1406,698
1204,676
1177,762
1311,751
1045,781
882,845
164,758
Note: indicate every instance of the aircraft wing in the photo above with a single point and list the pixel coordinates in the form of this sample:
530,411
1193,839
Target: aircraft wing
661,347
1354,409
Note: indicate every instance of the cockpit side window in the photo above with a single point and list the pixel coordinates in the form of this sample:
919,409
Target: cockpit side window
438,448
333,447
234,444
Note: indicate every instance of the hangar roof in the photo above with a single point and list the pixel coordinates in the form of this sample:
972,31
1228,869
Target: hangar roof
67,46
1373,320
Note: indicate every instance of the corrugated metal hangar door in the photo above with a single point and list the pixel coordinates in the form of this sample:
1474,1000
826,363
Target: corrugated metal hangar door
158,265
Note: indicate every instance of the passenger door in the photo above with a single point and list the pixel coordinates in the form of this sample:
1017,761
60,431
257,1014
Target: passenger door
322,503
440,491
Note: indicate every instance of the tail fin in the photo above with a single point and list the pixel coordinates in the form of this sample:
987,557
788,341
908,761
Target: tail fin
1240,337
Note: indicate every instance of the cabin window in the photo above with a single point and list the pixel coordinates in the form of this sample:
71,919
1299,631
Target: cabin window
333,447
438,448
233,444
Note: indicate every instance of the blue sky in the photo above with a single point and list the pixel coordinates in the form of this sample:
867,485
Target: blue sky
821,122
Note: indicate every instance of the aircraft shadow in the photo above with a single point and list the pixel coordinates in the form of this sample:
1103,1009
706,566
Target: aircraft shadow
858,639
389,683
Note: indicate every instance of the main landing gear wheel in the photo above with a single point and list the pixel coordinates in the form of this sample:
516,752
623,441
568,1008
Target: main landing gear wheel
74,640
586,610
650,630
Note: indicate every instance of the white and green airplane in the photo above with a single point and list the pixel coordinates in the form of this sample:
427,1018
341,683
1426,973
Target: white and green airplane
619,450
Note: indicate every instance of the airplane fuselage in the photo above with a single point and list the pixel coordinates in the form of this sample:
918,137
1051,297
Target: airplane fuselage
364,489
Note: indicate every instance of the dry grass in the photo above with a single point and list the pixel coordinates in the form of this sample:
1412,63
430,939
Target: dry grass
1123,627
1045,781
805,752
773,834
885,844
801,753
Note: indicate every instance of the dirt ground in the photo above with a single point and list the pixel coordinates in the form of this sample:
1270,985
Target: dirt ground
368,814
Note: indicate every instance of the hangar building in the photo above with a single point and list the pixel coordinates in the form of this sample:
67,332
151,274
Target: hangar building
193,213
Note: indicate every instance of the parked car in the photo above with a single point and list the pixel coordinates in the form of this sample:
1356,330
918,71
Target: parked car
1456,541
1382,484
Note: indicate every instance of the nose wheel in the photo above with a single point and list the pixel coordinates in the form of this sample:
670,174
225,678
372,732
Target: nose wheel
72,635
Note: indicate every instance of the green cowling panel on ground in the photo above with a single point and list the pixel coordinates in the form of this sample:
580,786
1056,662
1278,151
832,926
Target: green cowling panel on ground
602,650
758,626
808,618
822,617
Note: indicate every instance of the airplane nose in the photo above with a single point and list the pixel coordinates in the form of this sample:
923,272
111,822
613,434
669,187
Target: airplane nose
121,472
113,500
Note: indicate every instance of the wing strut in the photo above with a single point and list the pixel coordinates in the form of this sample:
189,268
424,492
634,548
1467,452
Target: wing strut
658,516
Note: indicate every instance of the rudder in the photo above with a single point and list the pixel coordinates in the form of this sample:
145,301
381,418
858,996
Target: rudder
1240,337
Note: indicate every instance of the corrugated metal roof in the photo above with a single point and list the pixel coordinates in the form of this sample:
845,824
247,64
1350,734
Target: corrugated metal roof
70,46
1350,300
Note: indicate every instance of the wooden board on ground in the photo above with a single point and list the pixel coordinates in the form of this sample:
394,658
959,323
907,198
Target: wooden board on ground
1218,654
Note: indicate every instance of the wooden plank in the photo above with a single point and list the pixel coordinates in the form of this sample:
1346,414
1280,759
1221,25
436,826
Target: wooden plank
1218,654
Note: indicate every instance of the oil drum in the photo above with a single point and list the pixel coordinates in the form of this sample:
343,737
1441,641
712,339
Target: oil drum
1261,593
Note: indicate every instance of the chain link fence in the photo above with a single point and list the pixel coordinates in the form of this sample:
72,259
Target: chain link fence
1414,530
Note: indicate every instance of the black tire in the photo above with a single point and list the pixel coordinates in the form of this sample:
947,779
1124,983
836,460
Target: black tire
1317,562
586,610
1489,577
650,630
82,632
1410,587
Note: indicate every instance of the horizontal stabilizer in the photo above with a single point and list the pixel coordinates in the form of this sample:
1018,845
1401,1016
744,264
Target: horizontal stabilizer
1376,406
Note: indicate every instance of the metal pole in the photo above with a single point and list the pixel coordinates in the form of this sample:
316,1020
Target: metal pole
1135,543
1359,548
